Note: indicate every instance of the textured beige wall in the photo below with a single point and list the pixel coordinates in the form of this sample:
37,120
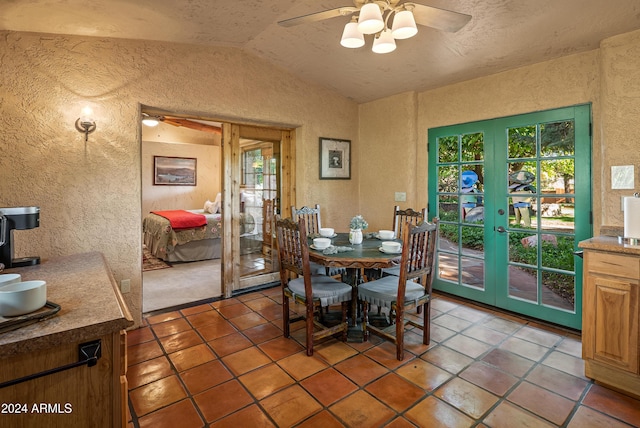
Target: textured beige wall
208,161
90,194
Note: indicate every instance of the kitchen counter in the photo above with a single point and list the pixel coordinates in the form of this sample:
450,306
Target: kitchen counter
91,304
609,244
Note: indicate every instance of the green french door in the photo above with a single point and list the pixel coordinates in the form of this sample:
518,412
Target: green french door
514,200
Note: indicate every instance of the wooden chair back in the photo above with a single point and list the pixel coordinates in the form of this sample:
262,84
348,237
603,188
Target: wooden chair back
418,255
402,217
293,249
311,217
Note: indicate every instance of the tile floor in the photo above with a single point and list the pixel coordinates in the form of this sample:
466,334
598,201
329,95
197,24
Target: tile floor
226,364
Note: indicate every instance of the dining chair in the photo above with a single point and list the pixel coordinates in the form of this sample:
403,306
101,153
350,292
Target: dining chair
400,218
313,291
411,289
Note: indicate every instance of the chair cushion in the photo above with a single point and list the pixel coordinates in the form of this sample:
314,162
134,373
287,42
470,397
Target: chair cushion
383,291
318,269
395,271
330,291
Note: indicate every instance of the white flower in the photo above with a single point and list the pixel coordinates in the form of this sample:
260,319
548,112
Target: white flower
358,222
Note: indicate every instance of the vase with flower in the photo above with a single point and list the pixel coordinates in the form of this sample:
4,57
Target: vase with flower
356,226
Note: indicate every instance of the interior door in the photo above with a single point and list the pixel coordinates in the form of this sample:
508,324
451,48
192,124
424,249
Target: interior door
514,199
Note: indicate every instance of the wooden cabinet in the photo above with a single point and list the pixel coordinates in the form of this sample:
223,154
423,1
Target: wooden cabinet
610,318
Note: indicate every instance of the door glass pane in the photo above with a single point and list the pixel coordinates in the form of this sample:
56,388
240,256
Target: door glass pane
558,290
523,283
448,149
522,142
472,147
448,179
557,139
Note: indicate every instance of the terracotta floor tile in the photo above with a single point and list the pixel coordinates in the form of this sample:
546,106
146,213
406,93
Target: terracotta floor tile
485,334
246,360
225,302
362,410
168,328
508,362
251,416
168,316
361,369
195,309
399,422
589,418
182,414
148,371
216,329
233,311
395,391
139,335
452,323
301,366
467,346
565,363
290,406
413,342
506,415
323,419
334,351
524,348
489,378
328,386
266,380
222,400
205,376
447,359
536,335
246,321
613,404
541,402
156,395
439,334
468,313
262,333
502,325
273,314
426,375
443,305
203,318
230,344
559,382
280,347
570,346
385,354
143,352
261,303
435,413
182,340
191,357
466,397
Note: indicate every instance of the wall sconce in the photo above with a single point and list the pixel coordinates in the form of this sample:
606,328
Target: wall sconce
85,123
150,120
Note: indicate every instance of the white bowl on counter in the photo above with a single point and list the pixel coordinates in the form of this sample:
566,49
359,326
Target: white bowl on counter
327,232
9,278
321,243
391,247
22,297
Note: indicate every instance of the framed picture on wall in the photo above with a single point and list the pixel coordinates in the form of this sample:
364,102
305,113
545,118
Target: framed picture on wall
335,159
174,171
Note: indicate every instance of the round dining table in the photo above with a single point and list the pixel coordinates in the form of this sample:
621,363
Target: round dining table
367,255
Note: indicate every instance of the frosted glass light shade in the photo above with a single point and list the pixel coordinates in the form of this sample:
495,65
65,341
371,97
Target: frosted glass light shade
404,25
351,37
370,19
384,43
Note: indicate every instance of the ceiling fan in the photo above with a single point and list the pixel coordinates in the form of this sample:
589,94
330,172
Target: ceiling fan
372,17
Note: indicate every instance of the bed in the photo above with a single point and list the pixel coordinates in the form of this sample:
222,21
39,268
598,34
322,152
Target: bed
191,244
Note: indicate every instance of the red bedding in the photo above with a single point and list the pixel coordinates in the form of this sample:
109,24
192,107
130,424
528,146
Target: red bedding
181,219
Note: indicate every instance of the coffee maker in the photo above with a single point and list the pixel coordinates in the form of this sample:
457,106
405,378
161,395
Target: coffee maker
18,218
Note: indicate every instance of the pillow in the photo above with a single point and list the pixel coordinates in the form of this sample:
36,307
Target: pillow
217,204
209,207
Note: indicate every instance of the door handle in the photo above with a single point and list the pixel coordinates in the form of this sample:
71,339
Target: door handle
501,229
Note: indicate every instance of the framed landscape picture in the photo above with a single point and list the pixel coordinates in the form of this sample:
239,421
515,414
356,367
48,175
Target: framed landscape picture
174,171
335,159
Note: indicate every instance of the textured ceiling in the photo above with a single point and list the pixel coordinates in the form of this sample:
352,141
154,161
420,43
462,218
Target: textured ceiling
502,34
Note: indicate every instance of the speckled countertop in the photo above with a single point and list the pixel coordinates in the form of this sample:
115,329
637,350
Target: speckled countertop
610,244
91,305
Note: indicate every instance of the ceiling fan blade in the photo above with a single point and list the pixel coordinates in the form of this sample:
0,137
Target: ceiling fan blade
318,16
440,19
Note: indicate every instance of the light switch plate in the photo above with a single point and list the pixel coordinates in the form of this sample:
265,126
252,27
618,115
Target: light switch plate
401,197
125,285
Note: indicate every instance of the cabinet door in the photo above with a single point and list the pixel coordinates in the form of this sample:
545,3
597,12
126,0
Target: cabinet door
612,334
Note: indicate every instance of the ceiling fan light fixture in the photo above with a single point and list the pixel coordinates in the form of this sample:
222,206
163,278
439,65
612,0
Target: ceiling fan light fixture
384,43
370,20
404,25
150,120
351,36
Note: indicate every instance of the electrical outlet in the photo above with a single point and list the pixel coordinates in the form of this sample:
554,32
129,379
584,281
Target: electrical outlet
125,285
401,196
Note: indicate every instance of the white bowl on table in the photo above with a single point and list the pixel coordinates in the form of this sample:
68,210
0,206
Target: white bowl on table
391,247
386,234
321,243
9,278
327,232
22,297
